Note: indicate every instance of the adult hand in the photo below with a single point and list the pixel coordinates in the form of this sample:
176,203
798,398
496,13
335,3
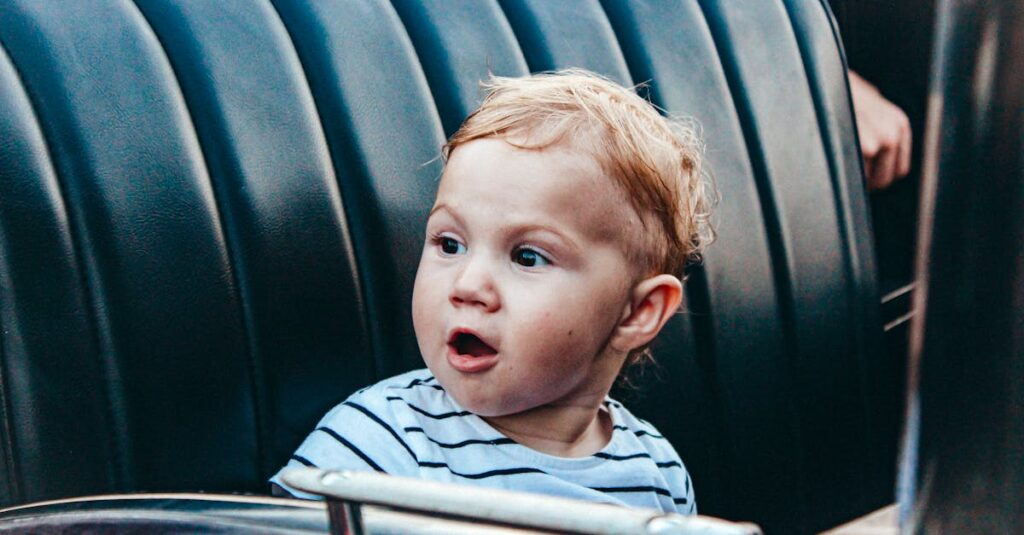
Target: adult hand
885,137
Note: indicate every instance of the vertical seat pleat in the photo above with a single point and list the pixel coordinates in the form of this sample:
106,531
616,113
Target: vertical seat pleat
460,43
384,136
881,377
794,181
53,390
282,212
558,35
166,305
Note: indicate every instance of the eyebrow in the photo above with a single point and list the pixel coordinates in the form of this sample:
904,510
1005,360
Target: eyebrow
444,207
523,229
437,207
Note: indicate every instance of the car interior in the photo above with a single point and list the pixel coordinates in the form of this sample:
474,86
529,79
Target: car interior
211,215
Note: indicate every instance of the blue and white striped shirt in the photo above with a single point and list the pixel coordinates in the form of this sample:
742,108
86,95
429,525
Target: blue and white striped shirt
409,426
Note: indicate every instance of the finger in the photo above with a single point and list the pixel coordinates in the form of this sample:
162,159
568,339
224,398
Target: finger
869,170
906,150
884,169
869,142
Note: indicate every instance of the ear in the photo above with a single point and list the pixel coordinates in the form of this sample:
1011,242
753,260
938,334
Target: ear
652,303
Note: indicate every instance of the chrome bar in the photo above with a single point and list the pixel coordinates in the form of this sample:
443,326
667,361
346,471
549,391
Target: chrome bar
346,517
502,507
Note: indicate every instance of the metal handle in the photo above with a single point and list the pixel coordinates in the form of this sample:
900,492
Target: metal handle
492,506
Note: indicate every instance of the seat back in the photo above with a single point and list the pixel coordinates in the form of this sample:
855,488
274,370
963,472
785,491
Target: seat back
211,215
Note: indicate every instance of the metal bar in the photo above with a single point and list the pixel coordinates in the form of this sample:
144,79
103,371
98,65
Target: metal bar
346,517
501,507
899,292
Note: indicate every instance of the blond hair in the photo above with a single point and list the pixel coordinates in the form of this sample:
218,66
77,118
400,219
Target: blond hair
655,160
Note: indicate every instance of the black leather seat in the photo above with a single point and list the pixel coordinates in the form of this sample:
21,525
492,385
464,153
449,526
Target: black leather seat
211,215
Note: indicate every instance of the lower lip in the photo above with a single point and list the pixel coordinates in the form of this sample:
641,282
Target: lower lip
469,363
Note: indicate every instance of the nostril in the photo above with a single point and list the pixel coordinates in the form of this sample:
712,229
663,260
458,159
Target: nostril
462,298
473,292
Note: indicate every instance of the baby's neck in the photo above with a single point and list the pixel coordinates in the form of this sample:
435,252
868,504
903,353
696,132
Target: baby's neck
564,431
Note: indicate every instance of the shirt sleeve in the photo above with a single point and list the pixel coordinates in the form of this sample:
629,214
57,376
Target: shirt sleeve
359,434
671,467
690,507
678,479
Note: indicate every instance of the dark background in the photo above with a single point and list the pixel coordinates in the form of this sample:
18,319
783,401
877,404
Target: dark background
889,43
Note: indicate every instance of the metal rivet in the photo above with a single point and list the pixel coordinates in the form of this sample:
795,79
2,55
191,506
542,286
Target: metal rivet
331,477
663,525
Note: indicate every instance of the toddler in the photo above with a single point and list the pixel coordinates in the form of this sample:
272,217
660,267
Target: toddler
554,254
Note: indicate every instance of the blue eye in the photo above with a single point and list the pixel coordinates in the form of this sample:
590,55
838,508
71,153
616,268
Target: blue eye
529,258
451,246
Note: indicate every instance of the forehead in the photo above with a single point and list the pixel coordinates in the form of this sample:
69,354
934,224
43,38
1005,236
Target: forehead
558,185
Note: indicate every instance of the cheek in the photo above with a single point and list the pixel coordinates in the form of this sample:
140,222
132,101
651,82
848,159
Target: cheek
576,319
427,293
561,341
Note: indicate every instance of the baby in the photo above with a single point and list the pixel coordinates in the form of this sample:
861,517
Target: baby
554,254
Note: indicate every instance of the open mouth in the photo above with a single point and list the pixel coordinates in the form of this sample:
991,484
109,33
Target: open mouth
469,344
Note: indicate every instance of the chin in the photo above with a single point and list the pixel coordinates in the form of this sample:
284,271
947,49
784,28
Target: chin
480,403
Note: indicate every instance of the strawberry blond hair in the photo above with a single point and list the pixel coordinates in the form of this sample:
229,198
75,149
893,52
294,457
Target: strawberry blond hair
655,160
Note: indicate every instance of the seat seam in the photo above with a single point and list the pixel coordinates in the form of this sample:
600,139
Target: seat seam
83,268
235,263
778,248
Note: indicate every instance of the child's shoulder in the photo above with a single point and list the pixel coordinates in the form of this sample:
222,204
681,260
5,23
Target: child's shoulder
387,402
417,387
635,432
367,431
405,381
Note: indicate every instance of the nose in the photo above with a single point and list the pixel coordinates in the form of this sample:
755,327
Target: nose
475,286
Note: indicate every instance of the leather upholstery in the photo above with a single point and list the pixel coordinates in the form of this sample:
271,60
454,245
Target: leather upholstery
211,215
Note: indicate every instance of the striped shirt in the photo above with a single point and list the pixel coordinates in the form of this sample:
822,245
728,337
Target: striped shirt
409,426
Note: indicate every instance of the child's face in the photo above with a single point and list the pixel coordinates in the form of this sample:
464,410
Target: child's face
523,278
